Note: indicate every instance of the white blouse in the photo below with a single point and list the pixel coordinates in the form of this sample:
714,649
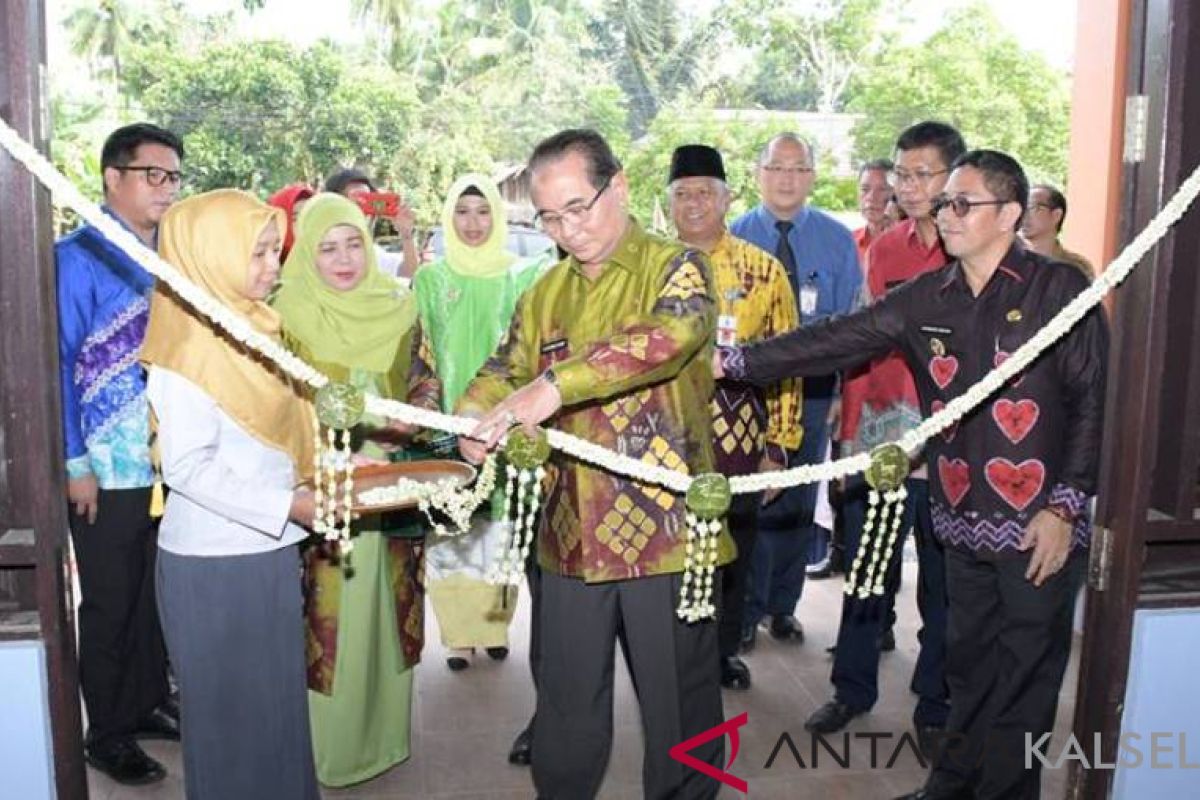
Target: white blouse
230,492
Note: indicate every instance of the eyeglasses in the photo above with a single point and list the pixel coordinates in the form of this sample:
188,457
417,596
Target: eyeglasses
575,213
778,170
921,177
1035,206
156,176
960,205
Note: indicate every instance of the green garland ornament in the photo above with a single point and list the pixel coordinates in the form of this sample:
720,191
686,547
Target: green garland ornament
708,498
889,467
885,512
340,405
527,452
526,456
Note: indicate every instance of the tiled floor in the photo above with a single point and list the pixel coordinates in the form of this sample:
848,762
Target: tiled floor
463,724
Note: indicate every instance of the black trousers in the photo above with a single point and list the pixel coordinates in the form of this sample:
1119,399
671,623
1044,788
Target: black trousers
122,659
1007,647
674,671
735,580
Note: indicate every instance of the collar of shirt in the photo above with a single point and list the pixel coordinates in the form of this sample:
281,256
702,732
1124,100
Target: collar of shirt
627,254
913,237
153,245
1014,266
768,220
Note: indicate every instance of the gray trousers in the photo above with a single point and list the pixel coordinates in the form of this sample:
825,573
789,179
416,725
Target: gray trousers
235,634
675,673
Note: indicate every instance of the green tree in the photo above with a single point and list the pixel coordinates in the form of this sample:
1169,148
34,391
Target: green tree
100,33
973,74
263,116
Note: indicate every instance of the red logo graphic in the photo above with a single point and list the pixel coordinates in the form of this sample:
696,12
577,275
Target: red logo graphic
1018,484
956,479
680,752
943,369
1016,420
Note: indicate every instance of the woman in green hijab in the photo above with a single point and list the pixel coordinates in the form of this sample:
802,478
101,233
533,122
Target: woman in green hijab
466,301
365,619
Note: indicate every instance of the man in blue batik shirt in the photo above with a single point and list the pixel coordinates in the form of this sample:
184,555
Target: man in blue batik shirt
103,306
821,260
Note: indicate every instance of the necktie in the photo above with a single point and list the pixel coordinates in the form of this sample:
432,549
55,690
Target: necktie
784,251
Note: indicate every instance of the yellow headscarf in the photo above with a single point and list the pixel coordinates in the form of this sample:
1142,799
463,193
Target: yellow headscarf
210,238
490,258
361,327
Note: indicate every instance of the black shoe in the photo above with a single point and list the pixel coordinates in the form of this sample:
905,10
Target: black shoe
457,663
497,653
521,753
734,673
159,724
830,718
818,572
124,762
749,639
887,641
786,628
929,738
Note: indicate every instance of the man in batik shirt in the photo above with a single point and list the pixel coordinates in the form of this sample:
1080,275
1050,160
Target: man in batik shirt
614,344
753,428
1008,484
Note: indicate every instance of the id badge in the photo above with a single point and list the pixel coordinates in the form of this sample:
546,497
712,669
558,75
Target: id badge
808,299
727,330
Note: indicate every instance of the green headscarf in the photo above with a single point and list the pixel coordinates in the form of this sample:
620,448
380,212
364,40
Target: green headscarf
490,258
359,328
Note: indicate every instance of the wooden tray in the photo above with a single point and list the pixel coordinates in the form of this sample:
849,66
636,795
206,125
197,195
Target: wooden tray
376,475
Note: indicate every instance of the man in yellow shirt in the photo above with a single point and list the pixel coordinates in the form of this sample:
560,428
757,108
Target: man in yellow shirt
614,345
752,428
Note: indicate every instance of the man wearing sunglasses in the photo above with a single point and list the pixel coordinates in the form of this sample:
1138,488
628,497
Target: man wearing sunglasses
1009,483
613,345
881,405
103,306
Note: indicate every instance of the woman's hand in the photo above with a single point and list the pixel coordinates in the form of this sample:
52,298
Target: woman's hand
303,508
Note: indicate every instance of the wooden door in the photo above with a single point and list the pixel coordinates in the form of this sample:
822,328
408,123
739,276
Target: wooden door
1147,547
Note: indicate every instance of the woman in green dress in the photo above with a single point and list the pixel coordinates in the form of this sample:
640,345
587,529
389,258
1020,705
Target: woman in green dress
364,615
466,301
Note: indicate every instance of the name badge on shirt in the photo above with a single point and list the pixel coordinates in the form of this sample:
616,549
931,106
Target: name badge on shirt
727,330
808,299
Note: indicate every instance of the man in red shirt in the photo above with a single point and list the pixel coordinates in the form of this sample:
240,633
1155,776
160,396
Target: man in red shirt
880,405
874,192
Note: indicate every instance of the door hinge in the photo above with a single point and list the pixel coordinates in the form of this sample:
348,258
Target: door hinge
1137,110
1100,558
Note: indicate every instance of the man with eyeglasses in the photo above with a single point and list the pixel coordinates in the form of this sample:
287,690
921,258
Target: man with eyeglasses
821,262
1043,223
613,344
103,306
753,429
1009,483
881,405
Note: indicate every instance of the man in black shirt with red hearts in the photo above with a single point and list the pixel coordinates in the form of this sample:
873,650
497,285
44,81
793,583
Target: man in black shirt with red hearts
1009,490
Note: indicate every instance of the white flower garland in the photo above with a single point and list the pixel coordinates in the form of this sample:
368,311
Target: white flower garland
912,442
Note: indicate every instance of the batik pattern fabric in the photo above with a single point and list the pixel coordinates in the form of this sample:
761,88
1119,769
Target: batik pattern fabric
630,350
750,422
103,308
411,378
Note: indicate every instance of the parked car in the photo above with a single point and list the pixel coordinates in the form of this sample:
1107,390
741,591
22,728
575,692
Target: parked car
522,240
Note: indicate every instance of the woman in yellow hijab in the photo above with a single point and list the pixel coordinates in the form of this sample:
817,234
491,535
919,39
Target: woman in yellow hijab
234,439
365,623
466,302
